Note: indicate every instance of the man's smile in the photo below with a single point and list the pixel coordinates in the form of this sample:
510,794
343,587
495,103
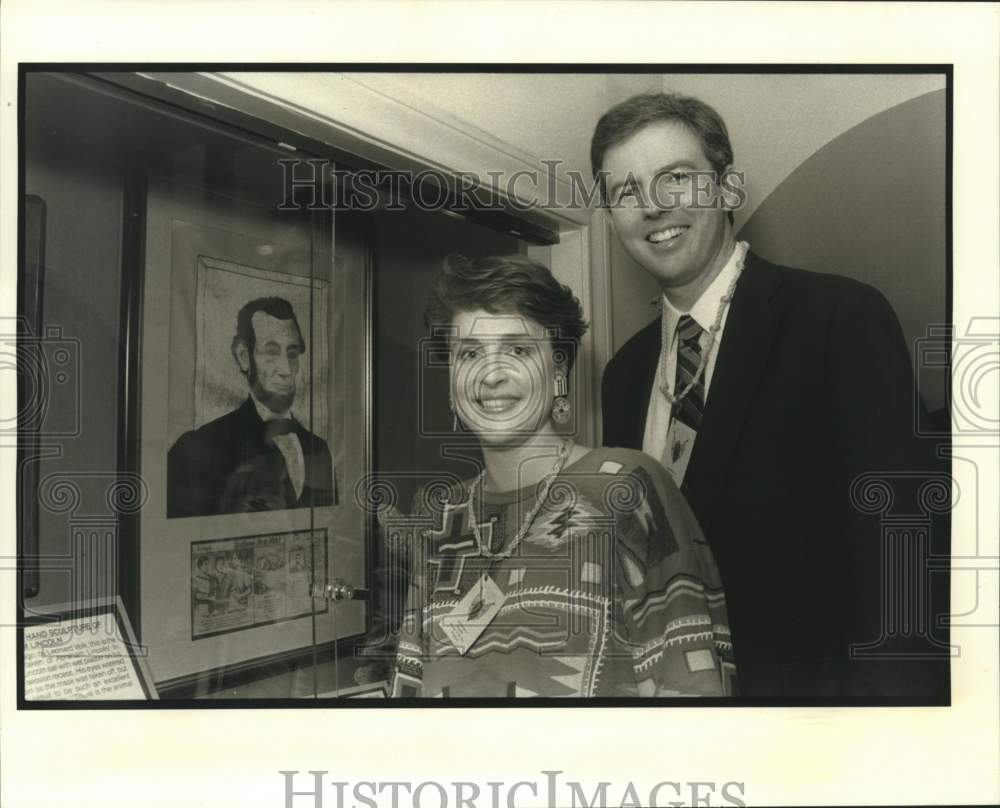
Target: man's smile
667,234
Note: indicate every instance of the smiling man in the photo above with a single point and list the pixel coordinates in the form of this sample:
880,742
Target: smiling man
765,391
258,457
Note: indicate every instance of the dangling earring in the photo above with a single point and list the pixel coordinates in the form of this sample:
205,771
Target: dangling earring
561,409
456,425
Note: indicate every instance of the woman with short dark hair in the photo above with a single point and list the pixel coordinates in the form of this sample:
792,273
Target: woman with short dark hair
558,570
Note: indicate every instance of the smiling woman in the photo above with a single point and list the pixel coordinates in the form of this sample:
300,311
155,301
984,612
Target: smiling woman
498,373
558,570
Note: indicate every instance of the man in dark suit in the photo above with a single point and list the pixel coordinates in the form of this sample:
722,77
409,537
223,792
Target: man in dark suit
766,391
258,457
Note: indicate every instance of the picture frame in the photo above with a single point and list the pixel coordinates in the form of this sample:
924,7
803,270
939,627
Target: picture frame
197,258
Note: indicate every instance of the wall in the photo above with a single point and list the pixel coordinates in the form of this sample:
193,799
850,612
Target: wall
776,122
870,205
551,117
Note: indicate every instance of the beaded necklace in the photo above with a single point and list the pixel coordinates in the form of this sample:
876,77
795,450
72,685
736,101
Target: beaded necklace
564,453
713,331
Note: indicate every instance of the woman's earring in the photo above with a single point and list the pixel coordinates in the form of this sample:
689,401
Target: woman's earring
455,423
561,409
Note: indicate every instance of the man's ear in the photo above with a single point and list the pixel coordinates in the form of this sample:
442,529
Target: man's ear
242,355
728,193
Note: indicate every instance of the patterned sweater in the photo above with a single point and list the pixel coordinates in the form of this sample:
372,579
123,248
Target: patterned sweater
612,592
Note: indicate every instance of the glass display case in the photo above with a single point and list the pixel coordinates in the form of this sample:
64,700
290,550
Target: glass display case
209,339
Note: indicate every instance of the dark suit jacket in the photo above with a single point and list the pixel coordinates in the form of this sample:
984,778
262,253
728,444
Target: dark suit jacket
229,466
812,386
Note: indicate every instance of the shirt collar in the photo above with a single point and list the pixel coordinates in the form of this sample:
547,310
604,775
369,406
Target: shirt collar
706,307
267,414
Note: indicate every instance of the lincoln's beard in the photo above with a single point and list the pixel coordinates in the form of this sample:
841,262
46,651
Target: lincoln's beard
275,402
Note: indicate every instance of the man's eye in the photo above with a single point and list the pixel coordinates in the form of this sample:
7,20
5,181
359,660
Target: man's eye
673,178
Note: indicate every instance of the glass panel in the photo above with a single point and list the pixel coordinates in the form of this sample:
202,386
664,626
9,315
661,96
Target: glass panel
416,443
197,454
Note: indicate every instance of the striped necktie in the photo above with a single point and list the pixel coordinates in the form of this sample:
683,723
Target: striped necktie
691,407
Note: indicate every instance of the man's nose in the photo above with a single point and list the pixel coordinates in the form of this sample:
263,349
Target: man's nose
653,206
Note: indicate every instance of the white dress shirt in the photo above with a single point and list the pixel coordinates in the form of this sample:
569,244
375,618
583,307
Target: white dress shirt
704,311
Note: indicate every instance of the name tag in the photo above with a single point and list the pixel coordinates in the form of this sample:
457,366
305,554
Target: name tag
473,613
677,453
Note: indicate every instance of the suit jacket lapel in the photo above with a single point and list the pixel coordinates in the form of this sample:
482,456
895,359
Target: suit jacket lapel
746,345
645,378
250,436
